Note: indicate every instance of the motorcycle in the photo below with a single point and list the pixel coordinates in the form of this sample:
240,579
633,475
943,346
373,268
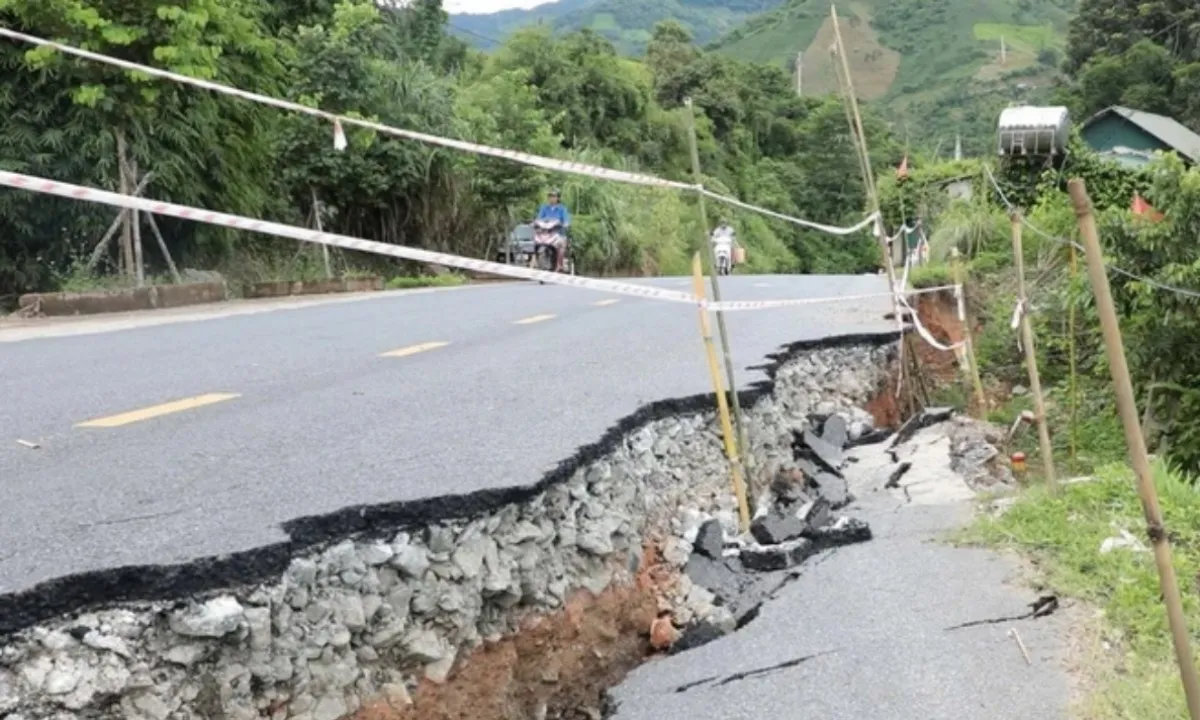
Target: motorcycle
724,261
547,235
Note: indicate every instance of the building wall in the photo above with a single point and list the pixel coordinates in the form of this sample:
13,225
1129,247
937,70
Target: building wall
1113,131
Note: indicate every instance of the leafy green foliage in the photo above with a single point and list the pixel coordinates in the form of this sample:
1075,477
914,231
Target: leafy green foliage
571,97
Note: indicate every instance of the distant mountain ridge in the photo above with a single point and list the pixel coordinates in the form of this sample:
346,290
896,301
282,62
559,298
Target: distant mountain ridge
626,23
938,67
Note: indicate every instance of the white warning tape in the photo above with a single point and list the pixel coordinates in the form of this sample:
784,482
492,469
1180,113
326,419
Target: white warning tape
526,158
924,332
788,218
104,197
546,163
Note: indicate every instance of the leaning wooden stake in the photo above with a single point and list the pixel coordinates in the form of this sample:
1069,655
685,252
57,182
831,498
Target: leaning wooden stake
972,374
1035,382
714,369
1074,389
722,330
1127,408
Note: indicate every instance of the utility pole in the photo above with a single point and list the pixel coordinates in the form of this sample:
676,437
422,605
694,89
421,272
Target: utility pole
1003,52
868,174
958,147
800,74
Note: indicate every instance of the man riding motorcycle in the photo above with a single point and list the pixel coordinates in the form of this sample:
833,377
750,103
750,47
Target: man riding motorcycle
555,211
724,240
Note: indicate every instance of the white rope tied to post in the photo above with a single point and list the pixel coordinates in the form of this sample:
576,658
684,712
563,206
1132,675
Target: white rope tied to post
829,229
1019,310
338,121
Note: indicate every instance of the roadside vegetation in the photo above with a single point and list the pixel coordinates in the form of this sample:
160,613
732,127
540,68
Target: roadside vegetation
571,96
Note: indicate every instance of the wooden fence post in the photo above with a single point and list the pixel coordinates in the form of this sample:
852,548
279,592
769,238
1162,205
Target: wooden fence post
1127,408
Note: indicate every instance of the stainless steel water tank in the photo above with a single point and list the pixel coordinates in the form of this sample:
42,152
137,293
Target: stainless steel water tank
1028,130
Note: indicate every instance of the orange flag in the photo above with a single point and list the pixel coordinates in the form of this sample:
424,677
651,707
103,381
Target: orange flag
902,171
1142,208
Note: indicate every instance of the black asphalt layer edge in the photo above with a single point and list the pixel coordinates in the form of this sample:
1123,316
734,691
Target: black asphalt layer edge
73,594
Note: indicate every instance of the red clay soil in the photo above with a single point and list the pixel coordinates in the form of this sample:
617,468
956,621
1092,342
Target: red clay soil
939,314
563,663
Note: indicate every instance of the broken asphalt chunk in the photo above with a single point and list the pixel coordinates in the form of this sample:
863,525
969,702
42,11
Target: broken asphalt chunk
827,455
710,539
923,419
871,437
846,531
834,489
720,577
776,527
836,431
815,513
767,558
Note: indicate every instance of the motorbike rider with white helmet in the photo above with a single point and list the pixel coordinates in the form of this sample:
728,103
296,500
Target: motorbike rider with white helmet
724,239
556,211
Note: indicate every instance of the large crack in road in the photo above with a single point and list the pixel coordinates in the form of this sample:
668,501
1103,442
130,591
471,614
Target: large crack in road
395,601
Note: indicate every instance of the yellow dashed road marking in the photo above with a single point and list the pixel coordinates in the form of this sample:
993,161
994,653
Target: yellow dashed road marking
610,301
414,349
534,319
158,410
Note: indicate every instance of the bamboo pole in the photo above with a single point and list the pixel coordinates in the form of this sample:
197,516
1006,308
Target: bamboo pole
126,224
972,374
136,225
739,425
1035,381
101,246
731,445
1071,358
1127,408
162,245
316,208
860,135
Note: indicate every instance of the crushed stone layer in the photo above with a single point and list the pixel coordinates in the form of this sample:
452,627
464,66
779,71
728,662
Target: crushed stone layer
864,632
378,601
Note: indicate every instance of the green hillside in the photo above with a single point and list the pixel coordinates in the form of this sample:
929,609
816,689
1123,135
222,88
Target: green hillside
626,23
934,65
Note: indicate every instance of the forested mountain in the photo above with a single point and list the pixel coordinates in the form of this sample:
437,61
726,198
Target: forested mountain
935,67
628,24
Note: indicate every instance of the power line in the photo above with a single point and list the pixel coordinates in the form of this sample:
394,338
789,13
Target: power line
481,36
1064,241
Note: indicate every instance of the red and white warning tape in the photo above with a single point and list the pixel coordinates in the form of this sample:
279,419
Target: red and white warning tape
104,197
545,163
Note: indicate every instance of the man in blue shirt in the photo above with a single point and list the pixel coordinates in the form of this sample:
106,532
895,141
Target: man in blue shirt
554,210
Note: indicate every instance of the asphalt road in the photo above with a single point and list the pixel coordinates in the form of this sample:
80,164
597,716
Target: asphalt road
871,631
289,409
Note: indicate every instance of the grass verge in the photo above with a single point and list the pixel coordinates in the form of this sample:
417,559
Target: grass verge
422,281
1135,676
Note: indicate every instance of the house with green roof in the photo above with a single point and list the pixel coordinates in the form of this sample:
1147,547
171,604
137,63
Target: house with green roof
1130,137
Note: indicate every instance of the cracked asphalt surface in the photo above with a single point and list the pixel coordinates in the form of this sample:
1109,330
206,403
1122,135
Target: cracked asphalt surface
863,633
319,421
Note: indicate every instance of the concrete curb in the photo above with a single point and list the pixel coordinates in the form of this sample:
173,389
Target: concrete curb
144,298
283,288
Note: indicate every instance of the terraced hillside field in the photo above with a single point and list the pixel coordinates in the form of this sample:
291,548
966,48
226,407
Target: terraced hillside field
935,65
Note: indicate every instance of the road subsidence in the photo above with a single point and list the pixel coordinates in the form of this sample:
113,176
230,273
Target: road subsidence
522,603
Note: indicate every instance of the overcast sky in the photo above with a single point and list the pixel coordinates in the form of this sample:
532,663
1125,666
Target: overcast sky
488,6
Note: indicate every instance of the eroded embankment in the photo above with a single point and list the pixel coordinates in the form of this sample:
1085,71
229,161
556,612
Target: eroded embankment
412,609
